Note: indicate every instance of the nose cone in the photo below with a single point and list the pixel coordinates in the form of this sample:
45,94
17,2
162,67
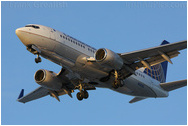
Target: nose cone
18,33
22,35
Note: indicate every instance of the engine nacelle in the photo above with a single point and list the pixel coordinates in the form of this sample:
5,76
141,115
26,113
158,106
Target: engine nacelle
108,58
48,79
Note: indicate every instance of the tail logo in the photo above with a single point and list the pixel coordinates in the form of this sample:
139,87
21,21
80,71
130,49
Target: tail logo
156,72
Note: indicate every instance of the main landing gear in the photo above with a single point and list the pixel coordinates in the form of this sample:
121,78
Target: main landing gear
117,82
38,59
82,95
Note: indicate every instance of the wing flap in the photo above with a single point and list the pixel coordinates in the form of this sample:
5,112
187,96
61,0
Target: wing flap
36,94
173,85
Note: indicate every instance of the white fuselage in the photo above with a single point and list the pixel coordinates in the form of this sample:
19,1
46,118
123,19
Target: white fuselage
71,53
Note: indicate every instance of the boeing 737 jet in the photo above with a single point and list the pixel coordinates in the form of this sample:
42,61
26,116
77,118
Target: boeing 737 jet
141,73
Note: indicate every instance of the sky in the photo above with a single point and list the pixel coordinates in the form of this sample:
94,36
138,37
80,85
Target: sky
119,26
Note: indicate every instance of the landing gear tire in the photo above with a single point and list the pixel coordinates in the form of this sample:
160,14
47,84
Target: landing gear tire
38,60
82,95
79,96
85,94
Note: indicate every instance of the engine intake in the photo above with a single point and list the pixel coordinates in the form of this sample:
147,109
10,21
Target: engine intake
39,76
48,79
108,58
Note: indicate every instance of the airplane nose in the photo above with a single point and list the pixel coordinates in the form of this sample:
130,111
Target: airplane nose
20,32
17,32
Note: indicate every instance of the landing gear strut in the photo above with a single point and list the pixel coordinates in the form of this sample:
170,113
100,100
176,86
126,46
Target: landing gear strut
117,83
38,59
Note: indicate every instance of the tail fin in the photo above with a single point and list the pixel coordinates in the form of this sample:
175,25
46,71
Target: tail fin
158,71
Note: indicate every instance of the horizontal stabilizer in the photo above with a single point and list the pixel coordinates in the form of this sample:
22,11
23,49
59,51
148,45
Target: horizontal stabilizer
173,85
136,99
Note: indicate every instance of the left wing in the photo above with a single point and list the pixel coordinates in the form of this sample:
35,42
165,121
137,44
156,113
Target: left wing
152,56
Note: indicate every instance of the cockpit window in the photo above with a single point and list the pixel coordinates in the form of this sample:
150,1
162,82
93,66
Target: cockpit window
34,26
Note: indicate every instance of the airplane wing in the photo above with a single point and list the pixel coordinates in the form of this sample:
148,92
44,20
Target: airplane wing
136,99
38,93
153,56
42,92
173,85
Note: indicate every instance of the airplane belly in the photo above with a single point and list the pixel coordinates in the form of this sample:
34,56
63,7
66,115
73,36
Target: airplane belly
139,88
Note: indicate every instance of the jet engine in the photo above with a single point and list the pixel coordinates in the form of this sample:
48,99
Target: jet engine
48,79
109,59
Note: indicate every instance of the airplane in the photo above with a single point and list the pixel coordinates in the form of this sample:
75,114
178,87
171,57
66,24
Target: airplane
141,73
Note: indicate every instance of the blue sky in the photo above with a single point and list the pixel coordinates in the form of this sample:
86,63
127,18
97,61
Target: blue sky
119,26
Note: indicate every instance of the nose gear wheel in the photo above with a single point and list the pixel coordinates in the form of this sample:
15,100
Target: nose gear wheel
38,59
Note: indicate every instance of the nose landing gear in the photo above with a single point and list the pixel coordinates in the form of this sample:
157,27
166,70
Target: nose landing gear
38,59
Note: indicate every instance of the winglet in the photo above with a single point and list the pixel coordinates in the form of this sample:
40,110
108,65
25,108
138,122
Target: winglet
21,94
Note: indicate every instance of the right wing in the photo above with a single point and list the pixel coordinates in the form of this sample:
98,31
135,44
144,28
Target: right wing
42,92
173,85
37,93
68,88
